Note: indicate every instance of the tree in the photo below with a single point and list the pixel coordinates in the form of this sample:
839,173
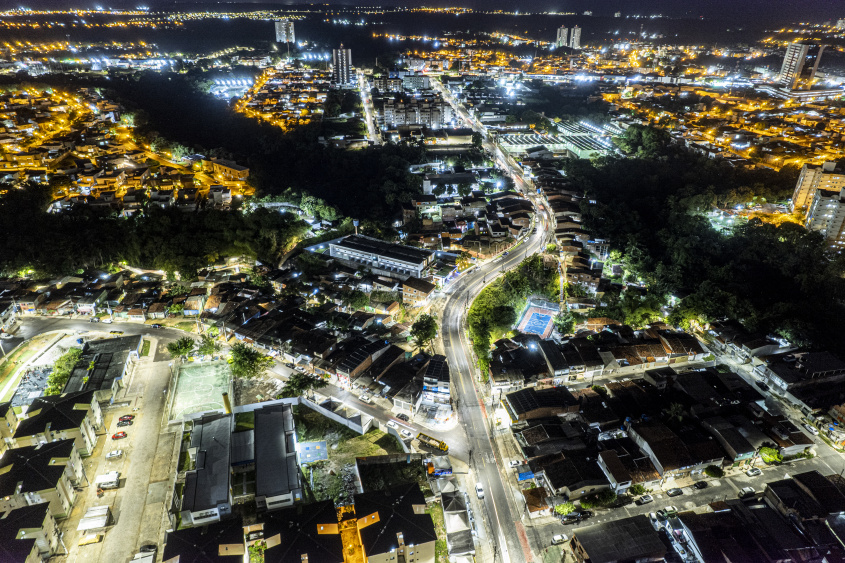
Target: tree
564,508
62,369
714,472
355,299
770,456
464,260
636,489
208,345
247,362
564,322
181,347
300,383
676,412
424,330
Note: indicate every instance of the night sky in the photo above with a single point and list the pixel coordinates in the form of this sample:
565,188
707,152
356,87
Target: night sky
768,11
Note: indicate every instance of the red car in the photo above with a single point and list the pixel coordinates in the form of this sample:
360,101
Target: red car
126,417
118,436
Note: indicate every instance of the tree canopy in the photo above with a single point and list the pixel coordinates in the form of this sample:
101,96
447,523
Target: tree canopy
424,330
247,362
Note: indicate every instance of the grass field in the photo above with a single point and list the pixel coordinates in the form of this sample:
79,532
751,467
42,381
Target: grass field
441,548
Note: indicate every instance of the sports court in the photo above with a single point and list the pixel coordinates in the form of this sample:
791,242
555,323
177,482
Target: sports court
537,319
200,387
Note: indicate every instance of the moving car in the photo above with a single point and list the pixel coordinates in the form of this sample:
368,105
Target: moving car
700,485
479,490
127,417
365,398
674,492
114,454
570,519
6,336
106,321
812,429
116,332
156,325
94,320
119,435
123,423
746,492
560,538
754,472
645,499
505,253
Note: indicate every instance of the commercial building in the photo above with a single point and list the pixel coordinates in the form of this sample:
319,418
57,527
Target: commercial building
342,66
800,64
816,177
575,39
562,36
383,258
284,32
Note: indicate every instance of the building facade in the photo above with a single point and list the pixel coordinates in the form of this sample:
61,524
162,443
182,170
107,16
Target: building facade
562,36
284,32
575,39
814,178
342,66
800,64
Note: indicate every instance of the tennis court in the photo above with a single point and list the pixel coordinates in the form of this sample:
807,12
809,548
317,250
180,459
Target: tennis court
200,387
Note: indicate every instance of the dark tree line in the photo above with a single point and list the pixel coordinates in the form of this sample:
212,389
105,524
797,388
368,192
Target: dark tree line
165,239
776,279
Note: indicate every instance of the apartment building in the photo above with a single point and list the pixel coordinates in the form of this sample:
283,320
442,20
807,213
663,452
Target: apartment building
813,178
826,215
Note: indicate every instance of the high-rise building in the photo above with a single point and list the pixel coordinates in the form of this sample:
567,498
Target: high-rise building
342,66
800,64
562,36
617,15
575,38
813,178
284,32
826,215
840,23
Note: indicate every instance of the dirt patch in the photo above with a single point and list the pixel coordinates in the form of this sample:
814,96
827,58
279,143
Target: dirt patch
248,391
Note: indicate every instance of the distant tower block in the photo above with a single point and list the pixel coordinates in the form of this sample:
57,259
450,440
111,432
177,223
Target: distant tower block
284,32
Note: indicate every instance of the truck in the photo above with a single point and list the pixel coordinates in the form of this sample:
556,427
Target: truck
110,480
434,443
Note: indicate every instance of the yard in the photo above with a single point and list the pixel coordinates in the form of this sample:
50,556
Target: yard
16,359
335,479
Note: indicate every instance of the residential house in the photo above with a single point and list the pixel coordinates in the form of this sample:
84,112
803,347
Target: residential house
277,476
416,292
75,416
618,541
28,534
207,494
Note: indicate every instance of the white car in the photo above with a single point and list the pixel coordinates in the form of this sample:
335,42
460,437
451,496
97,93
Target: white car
560,538
479,490
392,424
406,434
754,472
6,336
746,492
114,454
812,429
365,398
515,463
106,321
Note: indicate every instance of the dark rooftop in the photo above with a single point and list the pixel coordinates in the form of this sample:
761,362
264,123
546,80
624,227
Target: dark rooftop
208,486
276,471
12,549
202,544
31,467
298,528
621,540
371,245
396,515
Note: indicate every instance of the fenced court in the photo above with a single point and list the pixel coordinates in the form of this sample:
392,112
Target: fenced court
200,387
538,319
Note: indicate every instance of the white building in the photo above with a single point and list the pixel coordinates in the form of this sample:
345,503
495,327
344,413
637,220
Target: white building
342,66
562,36
575,38
284,32
827,216
814,178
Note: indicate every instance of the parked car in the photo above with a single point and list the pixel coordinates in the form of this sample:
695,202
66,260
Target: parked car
746,492
91,539
6,336
674,492
754,472
515,462
584,514
94,320
106,321
505,253
365,398
119,435
645,499
570,519
406,434
392,424
123,423
148,548
116,332
127,417
114,454
667,512
156,325
700,485
403,417
812,429
559,538
479,490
